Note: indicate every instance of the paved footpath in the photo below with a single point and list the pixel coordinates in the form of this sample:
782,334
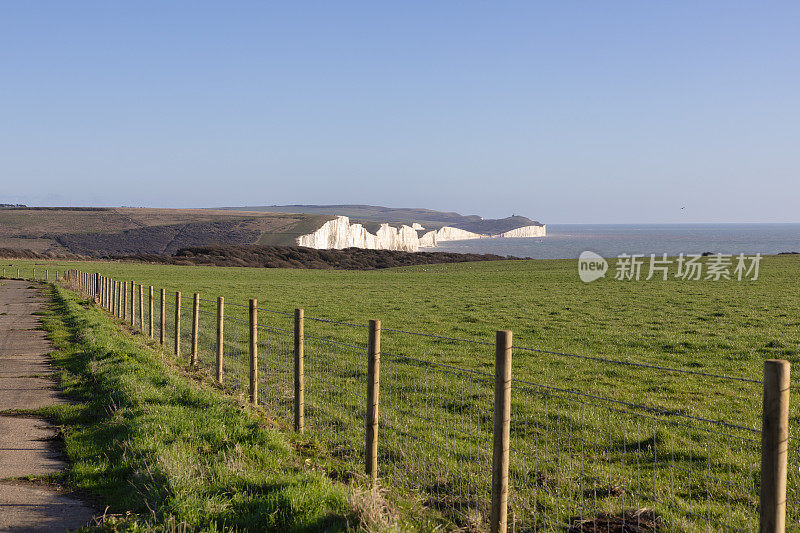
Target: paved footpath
26,444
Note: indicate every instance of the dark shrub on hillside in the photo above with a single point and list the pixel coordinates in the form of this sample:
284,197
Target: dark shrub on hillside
292,257
279,257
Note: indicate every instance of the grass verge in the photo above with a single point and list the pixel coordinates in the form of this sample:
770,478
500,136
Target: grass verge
143,439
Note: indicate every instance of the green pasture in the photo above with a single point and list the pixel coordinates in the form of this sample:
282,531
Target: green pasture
588,436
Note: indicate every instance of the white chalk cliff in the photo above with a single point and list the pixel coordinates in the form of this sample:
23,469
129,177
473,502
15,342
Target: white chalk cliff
525,231
339,233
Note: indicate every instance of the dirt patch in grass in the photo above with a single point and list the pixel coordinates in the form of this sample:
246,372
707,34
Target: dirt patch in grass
633,521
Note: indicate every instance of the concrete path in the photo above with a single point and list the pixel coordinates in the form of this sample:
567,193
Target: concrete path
26,444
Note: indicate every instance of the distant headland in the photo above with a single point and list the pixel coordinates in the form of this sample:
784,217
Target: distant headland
122,231
407,229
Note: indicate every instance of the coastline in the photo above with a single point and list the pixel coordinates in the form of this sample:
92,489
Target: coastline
567,241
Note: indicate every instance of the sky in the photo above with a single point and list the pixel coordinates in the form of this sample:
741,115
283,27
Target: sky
566,112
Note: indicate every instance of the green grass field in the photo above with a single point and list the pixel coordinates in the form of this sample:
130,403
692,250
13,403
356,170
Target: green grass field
143,439
576,451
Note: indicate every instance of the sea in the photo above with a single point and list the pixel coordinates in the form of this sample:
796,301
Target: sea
567,241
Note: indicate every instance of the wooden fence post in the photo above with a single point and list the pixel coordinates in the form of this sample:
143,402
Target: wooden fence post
373,398
774,446
299,372
163,317
220,335
124,301
177,323
195,328
253,352
141,308
502,433
150,313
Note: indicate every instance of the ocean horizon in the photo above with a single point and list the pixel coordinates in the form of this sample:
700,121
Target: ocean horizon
567,241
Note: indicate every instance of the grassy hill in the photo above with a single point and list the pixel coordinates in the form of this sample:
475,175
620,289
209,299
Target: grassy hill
105,231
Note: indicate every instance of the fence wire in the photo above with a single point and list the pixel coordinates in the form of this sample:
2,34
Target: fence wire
169,325
236,357
580,462
276,365
436,436
207,338
186,328
157,303
336,388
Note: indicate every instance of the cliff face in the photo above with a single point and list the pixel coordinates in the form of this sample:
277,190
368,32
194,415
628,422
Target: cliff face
340,233
432,238
526,231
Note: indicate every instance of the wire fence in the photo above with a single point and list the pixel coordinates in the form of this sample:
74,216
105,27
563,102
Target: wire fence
276,365
236,358
335,389
595,443
436,424
576,455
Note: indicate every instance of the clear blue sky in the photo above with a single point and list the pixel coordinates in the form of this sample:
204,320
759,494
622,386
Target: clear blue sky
562,111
